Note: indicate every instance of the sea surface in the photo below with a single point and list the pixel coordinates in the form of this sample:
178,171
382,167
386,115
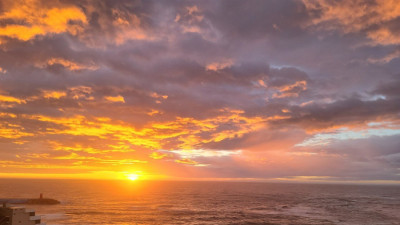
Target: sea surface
173,202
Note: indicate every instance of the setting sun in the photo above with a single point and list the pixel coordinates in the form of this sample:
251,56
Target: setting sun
132,176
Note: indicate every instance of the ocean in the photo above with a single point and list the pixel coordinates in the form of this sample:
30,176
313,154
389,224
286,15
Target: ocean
179,202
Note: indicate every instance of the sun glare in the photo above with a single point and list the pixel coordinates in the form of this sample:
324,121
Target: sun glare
132,176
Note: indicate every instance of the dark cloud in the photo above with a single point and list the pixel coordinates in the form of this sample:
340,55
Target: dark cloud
344,112
389,90
365,158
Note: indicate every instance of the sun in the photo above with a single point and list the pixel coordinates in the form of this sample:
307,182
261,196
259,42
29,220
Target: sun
132,176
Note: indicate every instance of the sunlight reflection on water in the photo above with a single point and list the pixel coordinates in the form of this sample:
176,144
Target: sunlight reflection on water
156,202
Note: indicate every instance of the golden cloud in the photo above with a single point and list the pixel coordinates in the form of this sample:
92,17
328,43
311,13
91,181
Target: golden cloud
187,161
122,136
94,143
36,17
117,98
153,112
158,155
11,99
12,131
53,94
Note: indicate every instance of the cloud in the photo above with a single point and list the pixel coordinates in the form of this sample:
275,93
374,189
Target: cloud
386,59
115,23
342,113
53,94
198,153
389,90
81,92
157,155
12,131
35,17
291,90
10,99
118,98
367,158
373,18
183,133
68,64
187,161
384,36
215,66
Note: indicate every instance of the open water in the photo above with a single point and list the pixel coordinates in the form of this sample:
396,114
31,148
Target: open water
173,202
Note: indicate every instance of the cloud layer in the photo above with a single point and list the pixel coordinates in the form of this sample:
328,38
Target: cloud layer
210,89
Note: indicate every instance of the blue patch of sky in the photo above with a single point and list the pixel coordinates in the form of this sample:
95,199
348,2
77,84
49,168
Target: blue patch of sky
347,134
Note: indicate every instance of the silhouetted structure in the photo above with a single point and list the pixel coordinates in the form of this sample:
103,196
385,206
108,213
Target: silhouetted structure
31,201
10,215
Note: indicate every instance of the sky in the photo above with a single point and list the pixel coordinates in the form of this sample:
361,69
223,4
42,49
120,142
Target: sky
296,90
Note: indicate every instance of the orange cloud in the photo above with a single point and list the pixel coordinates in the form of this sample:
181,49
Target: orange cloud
118,98
2,70
81,126
81,92
291,90
158,97
129,27
186,131
192,20
187,161
39,18
125,26
7,115
69,64
157,155
96,143
11,99
384,36
153,112
53,94
12,131
261,83
191,138
155,95
215,66
355,16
